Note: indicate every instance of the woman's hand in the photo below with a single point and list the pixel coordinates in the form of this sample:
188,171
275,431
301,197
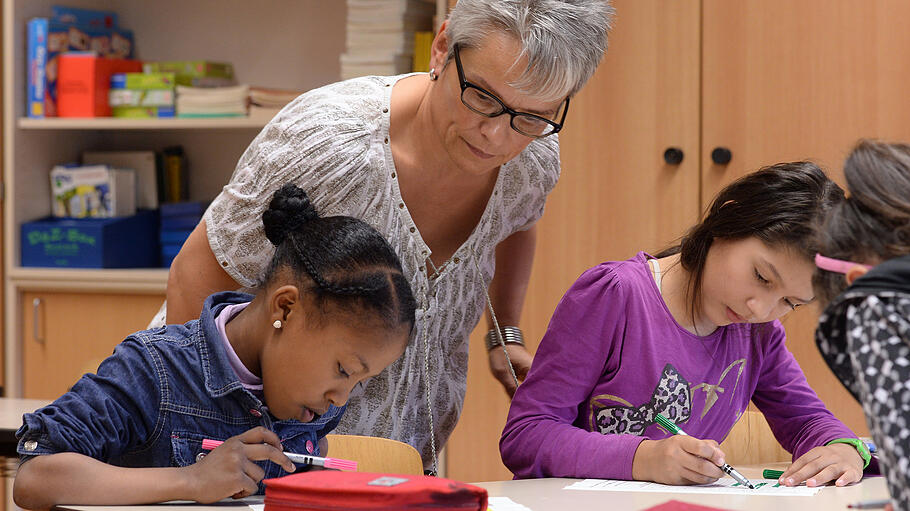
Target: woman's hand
836,462
521,362
678,460
229,471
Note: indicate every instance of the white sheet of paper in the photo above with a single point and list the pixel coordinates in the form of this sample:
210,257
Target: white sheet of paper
257,507
725,486
505,504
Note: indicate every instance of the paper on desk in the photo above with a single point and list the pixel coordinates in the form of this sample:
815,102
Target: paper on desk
505,504
725,486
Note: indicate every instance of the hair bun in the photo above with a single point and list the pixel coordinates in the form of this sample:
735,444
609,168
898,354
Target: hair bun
289,209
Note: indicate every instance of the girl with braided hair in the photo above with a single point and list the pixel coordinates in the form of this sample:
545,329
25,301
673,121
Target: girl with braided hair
265,373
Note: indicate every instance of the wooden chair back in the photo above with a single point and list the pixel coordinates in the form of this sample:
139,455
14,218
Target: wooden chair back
751,442
374,454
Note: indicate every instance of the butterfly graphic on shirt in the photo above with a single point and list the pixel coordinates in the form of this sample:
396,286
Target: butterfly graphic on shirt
672,397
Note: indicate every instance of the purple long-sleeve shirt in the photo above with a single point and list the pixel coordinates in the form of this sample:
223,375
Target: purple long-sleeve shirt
613,357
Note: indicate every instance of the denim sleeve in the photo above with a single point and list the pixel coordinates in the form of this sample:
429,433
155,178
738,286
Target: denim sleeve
104,414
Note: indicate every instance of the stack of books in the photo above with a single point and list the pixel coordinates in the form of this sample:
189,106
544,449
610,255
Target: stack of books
142,95
380,35
212,101
265,103
204,88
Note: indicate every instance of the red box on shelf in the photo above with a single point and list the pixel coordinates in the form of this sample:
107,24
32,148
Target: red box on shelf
83,82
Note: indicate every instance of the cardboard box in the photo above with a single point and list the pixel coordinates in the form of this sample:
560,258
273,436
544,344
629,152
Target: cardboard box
143,81
84,82
187,70
143,112
128,242
140,98
93,191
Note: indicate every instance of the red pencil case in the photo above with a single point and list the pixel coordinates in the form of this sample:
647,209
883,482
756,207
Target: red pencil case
330,489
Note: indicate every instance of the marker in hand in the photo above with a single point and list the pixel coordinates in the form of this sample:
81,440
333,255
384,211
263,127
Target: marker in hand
300,459
672,428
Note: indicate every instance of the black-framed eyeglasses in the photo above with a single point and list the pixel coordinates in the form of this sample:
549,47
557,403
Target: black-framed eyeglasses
487,104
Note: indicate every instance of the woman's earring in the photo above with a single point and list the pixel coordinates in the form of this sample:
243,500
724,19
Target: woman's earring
433,75
277,324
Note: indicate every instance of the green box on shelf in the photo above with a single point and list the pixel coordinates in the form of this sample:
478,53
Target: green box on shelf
187,70
143,81
124,242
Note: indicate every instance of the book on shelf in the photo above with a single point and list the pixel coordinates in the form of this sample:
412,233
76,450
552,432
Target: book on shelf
143,163
212,102
265,103
143,81
423,42
194,72
174,176
92,191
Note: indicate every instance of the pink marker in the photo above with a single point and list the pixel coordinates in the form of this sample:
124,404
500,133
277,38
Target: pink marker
301,459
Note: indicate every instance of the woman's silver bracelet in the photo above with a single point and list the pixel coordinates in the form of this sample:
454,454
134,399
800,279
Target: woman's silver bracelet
510,335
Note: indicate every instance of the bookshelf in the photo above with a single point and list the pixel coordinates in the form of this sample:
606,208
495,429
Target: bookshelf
272,43
110,123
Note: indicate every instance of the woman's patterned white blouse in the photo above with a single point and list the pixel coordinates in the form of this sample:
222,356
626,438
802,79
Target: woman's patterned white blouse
334,143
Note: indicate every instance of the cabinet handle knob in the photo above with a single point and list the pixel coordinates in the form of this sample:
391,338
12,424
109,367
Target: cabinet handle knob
36,317
721,155
673,156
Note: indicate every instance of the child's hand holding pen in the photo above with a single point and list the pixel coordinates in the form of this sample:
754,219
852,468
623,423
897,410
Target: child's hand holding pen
678,460
230,471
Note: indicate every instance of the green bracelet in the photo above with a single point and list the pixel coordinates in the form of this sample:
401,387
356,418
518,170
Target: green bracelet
859,445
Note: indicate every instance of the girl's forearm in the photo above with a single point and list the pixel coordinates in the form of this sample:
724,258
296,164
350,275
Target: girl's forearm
69,478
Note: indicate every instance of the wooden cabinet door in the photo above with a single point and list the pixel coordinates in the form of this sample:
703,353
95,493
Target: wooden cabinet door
68,334
785,80
616,194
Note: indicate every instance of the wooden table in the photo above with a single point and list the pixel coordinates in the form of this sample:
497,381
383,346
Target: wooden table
549,495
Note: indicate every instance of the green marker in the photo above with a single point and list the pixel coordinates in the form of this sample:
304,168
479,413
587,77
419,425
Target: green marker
673,429
771,474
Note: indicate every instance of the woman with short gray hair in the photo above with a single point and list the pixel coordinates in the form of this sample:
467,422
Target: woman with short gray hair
452,166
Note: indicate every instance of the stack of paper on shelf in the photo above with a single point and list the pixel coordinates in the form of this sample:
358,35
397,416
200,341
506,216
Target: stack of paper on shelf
142,95
212,101
265,103
380,35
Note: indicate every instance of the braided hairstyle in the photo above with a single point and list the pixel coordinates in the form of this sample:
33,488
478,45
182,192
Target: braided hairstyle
873,224
780,204
341,262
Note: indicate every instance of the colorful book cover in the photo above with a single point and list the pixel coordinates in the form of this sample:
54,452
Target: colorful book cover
143,81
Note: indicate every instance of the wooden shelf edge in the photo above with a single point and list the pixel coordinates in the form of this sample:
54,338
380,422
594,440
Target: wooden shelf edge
138,280
111,123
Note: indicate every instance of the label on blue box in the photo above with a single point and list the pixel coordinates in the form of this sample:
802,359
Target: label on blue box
125,242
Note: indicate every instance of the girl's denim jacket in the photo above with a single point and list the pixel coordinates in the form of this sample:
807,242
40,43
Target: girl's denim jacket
154,400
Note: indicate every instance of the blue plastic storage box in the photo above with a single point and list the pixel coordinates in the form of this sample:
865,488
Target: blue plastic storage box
125,242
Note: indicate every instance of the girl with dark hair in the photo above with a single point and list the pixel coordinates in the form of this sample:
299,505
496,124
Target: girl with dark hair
693,335
864,333
265,373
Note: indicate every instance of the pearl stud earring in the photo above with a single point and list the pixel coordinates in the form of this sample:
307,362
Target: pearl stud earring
277,324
